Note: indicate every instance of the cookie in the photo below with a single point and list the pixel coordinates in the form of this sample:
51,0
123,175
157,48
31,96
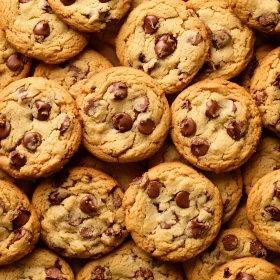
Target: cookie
35,31
74,73
90,16
239,218
216,125
39,131
13,65
232,42
247,269
166,40
129,262
230,244
81,212
125,115
265,88
20,228
40,264
172,212
263,210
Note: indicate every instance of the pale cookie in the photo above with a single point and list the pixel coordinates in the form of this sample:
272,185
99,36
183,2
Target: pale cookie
41,264
239,218
81,212
35,31
125,115
39,128
230,244
19,225
74,73
166,40
127,263
232,42
216,125
172,212
247,269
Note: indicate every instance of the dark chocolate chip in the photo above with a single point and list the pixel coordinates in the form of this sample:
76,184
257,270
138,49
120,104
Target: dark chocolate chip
104,1
146,126
119,90
16,159
54,198
187,127
268,19
24,1
220,38
212,109
14,62
277,189
195,39
43,110
74,221
144,273
187,105
98,273
86,232
274,211
42,28
277,80
142,58
257,249
65,125
261,97
32,140
20,217
151,24
210,66
141,104
54,273
165,45
230,242
197,227
122,122
88,203
91,106
67,2
236,129
153,189
244,276
199,147
46,7
5,128
75,69
18,234
114,231
227,273
117,201
182,199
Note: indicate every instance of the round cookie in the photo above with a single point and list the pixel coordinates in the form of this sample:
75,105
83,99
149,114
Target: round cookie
81,212
247,269
172,212
259,14
232,42
13,65
230,244
166,40
125,115
39,131
215,125
127,263
263,210
239,218
35,31
74,73
40,264
20,228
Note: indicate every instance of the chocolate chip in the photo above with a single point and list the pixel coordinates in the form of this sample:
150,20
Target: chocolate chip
137,181
268,19
277,80
20,217
42,28
42,110
197,227
236,129
119,90
182,199
75,69
187,127
220,38
261,97
187,105
117,201
67,2
142,58
199,147
212,109
151,24
104,1
14,62
122,122
146,126
32,140
5,128
277,189
65,125
195,39
230,242
153,189
91,106
74,221
144,273
227,273
165,45
54,273
274,211
54,198
24,1
257,249
46,7
244,276
114,231
141,104
210,66
88,203
98,273
18,234
16,159
86,232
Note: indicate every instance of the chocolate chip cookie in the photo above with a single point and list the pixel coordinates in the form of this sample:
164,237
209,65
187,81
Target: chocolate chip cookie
20,228
81,214
125,115
39,128
216,125
172,212
239,218
166,40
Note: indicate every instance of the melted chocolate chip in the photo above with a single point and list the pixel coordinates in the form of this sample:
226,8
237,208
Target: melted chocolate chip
14,62
227,273
16,159
182,199
122,122
98,273
117,201
153,189
54,198
86,232
5,128
230,242
137,181
220,38
187,105
114,231
74,221
261,97
65,125
274,211
212,109
165,225
199,147
32,140
197,228
146,126
54,273
42,28
91,106
187,127
24,1
151,24
268,19
195,39
119,90
67,2
236,129
43,110
46,7
20,217
144,273
141,104
18,234
104,1
88,203
165,45
277,189
257,249
244,276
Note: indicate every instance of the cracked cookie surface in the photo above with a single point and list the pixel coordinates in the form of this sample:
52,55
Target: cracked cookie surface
172,212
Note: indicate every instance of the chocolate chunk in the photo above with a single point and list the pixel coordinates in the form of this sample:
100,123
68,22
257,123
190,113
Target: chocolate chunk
277,80
220,38
119,90
165,45
54,198
98,273
268,19
46,7
144,273
91,106
65,125
197,228
122,122
18,234
114,231
16,159
187,127
230,242
88,203
274,211
244,276
187,105
182,199
54,273
195,39
67,2
261,97
257,249
141,104
151,24
212,109
32,140
43,110
86,232
14,62
227,273
20,217
74,221
75,69
277,189
199,147
146,126
236,129
5,128
42,28
153,189
104,1
117,201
